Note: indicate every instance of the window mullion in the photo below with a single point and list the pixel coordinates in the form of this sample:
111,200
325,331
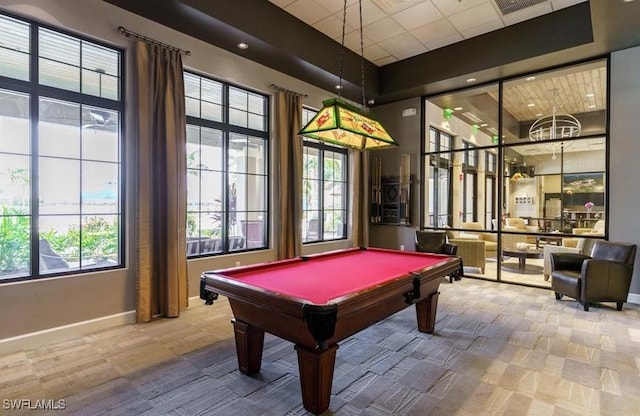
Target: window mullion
34,116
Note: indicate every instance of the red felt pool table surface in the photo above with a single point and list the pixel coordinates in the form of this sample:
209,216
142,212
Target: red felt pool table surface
329,276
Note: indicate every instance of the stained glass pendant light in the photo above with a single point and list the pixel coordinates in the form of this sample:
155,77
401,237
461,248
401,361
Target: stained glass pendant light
344,124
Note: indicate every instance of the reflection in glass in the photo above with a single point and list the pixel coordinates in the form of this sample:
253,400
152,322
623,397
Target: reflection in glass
552,186
14,54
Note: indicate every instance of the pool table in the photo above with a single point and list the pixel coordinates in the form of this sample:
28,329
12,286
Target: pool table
318,300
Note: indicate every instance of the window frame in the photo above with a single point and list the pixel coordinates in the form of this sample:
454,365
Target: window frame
440,159
37,92
227,130
307,114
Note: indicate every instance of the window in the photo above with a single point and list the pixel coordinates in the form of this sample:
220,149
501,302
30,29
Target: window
61,205
324,189
531,151
469,182
227,182
491,184
440,171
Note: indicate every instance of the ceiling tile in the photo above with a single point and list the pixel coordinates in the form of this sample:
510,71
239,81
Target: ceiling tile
352,41
451,7
385,61
370,13
436,30
433,44
474,17
382,30
484,28
332,27
417,16
335,5
375,52
400,43
394,6
407,53
308,11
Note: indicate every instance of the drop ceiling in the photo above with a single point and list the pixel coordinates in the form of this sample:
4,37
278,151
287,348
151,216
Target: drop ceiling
394,30
413,47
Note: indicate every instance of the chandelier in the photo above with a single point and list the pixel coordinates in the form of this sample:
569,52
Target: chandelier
554,126
343,124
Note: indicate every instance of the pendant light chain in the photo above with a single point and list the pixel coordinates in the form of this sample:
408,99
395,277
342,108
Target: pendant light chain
344,23
364,101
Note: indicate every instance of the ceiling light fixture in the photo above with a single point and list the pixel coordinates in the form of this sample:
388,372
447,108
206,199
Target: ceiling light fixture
243,45
471,80
554,126
344,124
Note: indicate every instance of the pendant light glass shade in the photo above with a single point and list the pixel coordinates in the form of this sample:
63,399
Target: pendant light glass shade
346,125
343,124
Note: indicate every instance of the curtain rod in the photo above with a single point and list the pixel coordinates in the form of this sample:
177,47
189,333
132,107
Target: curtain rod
282,89
128,33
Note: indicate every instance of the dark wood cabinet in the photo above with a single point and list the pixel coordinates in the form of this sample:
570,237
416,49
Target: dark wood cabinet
390,204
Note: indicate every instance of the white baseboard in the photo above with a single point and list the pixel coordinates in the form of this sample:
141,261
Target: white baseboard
26,341
634,298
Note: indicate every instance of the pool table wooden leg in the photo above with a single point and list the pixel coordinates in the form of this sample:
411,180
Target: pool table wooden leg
316,377
249,344
426,312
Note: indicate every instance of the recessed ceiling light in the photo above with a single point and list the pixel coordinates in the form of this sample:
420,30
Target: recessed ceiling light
471,80
627,1
483,125
243,45
457,108
530,78
338,87
592,106
590,94
539,115
531,105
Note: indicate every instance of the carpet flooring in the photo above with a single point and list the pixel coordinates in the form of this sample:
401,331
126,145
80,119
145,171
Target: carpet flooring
498,350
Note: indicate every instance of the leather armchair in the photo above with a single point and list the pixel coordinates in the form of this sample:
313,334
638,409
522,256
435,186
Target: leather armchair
605,276
432,241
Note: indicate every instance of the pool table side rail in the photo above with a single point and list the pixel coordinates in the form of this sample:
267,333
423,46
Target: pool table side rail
436,271
228,286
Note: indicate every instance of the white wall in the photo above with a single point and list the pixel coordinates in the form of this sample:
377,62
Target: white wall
624,166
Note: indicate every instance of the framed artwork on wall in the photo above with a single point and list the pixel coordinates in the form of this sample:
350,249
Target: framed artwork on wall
581,183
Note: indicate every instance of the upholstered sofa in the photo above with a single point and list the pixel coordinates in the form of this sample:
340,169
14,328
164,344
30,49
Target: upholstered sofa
477,232
521,225
474,244
598,229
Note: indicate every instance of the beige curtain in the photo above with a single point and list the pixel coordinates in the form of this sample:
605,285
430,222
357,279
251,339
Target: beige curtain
289,175
161,192
360,203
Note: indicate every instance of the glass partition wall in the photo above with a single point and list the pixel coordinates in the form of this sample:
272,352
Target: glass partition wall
516,170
